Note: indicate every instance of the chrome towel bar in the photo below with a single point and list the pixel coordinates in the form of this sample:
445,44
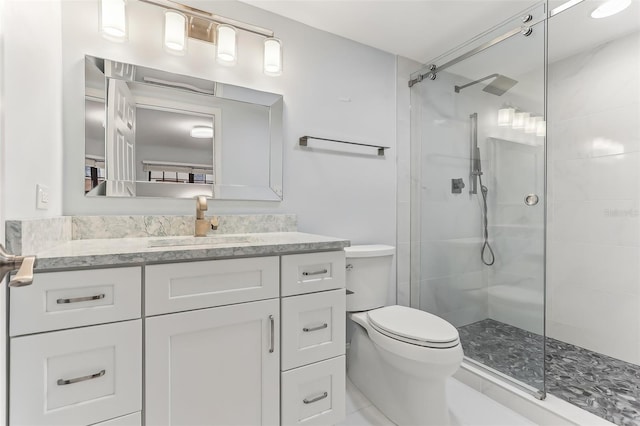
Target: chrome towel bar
304,139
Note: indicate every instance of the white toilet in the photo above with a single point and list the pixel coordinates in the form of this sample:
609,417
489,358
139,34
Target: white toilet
399,357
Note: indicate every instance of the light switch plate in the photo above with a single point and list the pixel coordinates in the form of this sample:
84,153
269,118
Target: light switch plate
42,197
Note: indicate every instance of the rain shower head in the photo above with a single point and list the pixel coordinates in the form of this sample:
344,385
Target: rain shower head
498,86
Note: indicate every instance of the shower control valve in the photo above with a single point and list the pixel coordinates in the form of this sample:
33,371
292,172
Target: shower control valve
456,186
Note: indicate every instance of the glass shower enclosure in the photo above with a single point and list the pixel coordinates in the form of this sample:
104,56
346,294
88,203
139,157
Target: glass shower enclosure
478,196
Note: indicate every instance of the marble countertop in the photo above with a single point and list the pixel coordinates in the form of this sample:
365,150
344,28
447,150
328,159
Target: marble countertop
127,251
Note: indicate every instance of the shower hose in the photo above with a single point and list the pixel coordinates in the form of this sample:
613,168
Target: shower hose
485,245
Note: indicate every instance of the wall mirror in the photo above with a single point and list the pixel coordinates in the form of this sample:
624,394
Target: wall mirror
151,133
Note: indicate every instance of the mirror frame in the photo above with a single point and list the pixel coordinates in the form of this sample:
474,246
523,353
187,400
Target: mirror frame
220,191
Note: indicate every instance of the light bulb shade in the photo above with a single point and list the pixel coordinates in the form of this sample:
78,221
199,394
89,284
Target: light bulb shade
520,120
505,117
610,8
113,19
272,56
541,128
226,45
175,32
531,124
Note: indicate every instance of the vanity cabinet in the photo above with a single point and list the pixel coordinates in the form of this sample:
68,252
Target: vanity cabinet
242,341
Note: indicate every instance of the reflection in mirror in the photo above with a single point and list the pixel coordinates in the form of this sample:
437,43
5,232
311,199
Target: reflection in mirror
149,133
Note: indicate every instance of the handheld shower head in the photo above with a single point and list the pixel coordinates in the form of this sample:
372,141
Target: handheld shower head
477,164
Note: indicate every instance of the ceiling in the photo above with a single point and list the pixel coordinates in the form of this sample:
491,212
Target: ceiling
417,29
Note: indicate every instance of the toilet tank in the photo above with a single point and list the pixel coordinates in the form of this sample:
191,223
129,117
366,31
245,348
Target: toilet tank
368,276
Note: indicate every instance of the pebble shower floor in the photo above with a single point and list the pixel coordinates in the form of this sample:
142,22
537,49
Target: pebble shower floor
604,386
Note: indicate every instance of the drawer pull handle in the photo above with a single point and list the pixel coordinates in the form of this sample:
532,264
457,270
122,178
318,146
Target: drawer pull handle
62,382
322,271
272,334
316,399
80,299
316,328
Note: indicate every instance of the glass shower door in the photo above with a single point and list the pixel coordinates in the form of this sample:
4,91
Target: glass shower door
478,215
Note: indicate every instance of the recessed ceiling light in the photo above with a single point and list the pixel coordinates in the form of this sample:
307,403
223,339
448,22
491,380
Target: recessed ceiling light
202,132
610,8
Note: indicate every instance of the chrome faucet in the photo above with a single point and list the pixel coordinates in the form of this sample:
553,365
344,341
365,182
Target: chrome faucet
202,224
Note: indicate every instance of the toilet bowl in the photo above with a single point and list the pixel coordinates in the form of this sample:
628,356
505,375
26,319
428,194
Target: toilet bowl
399,357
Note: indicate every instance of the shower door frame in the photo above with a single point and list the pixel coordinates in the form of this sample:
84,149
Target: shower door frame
429,72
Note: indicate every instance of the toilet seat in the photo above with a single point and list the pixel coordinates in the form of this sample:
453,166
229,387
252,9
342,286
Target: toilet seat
413,326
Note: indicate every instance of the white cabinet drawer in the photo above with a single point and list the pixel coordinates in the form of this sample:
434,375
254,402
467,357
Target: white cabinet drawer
314,394
313,327
59,300
192,285
76,377
134,419
311,272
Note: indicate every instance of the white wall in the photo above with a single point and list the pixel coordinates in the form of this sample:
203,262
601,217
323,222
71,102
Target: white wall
593,285
32,107
332,87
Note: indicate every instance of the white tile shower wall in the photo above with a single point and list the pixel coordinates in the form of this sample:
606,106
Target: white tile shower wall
593,296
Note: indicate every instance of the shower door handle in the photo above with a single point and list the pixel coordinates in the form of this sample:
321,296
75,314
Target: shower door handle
531,200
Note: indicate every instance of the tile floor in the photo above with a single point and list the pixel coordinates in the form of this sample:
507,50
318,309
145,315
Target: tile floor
468,408
604,386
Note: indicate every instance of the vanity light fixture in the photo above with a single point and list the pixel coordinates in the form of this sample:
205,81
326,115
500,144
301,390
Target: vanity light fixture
226,45
202,132
520,120
183,22
113,19
505,116
272,56
531,124
175,32
609,8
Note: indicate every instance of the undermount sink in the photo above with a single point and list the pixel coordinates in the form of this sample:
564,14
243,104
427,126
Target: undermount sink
213,240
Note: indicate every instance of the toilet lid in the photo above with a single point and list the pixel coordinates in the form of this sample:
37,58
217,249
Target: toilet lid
413,326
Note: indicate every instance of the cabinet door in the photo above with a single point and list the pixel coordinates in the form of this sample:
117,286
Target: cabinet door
217,366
